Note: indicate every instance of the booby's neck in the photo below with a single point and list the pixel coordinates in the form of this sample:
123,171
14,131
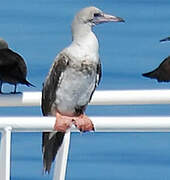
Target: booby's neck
83,36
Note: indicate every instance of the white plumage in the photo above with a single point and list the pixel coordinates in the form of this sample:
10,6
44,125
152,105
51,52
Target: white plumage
72,80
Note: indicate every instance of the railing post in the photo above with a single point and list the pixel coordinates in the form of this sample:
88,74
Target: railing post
5,151
61,159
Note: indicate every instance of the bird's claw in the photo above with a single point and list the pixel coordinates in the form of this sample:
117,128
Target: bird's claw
62,123
83,123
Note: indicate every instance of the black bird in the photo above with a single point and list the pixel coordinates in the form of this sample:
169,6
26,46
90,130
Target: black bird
13,69
161,73
165,39
72,79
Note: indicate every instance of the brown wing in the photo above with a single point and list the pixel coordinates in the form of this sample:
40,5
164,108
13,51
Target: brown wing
52,141
99,73
51,83
98,77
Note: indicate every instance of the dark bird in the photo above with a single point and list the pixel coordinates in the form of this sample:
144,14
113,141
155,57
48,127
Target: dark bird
13,69
71,81
161,73
165,39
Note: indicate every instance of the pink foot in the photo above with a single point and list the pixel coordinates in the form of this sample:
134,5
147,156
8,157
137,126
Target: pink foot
83,123
62,122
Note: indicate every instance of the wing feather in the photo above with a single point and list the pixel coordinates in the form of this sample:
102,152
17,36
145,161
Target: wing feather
98,77
12,63
52,141
52,82
99,73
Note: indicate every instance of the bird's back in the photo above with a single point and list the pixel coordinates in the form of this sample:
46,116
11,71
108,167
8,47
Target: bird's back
12,67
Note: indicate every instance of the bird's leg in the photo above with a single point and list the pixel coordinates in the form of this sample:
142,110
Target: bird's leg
83,123
1,87
62,122
15,90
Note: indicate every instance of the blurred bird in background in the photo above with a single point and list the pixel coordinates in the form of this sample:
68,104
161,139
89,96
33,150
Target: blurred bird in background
13,69
162,72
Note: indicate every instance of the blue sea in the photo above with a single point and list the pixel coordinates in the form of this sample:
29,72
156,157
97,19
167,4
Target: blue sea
38,30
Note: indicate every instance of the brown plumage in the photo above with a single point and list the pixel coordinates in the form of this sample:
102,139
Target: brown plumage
13,69
162,73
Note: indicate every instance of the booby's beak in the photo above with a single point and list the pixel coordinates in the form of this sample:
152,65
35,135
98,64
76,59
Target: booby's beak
165,39
104,18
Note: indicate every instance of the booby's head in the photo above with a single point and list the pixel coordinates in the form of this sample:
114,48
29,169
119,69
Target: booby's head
165,39
3,44
93,16
88,17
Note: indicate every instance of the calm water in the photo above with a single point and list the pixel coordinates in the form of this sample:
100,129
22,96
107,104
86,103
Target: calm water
38,30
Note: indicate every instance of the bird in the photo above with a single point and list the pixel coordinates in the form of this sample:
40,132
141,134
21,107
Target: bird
162,72
13,69
165,39
72,80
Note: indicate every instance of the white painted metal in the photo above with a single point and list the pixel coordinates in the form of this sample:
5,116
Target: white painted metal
102,124
61,159
5,151
121,97
28,124
24,99
131,97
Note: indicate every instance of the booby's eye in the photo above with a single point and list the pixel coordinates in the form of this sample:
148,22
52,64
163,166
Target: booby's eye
97,14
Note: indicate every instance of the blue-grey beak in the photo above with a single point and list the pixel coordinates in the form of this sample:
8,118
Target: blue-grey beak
104,18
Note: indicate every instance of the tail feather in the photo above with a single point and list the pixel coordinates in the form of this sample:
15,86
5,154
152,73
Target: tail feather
51,143
27,83
152,74
159,75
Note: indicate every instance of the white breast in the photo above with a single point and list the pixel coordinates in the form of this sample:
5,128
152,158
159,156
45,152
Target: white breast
75,89
77,84
85,48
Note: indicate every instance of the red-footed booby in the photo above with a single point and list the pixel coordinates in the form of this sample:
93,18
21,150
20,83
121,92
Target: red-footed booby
13,69
162,72
71,81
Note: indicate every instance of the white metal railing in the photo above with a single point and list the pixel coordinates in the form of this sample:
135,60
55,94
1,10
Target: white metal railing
121,97
101,124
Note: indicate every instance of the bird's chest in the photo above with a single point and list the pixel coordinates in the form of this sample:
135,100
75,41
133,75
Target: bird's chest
79,73
84,67
76,85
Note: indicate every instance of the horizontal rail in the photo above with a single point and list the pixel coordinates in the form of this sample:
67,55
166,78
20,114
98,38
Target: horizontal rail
101,124
121,97
24,99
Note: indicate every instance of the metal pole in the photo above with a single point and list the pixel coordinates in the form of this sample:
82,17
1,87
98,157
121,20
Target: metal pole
121,97
101,124
61,159
5,152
